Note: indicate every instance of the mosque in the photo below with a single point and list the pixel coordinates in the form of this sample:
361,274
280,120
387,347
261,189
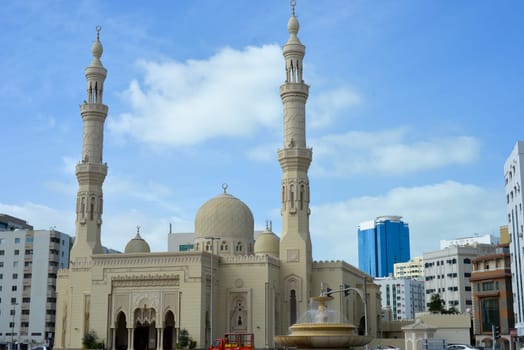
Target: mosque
229,282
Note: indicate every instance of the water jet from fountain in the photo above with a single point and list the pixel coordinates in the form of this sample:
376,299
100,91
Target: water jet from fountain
318,329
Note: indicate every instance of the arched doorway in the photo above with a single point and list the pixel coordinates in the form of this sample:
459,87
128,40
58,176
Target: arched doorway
145,335
362,326
141,336
121,332
169,337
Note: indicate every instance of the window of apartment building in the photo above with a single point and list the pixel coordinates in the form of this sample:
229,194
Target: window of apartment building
1,276
17,240
2,252
467,261
13,300
24,324
467,274
486,286
28,263
17,251
15,276
467,288
29,239
14,288
25,312
29,252
15,263
1,264
490,313
26,300
12,312
27,275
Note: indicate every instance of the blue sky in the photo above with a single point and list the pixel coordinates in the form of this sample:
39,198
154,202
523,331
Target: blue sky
413,108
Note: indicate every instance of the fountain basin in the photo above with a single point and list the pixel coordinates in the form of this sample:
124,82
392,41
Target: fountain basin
322,336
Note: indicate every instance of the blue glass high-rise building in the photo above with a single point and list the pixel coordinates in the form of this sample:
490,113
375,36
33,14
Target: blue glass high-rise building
381,243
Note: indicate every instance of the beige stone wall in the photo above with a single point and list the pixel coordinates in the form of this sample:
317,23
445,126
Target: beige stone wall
454,328
334,274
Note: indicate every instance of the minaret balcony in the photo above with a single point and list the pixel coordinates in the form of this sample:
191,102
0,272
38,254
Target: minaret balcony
294,88
90,170
295,157
97,109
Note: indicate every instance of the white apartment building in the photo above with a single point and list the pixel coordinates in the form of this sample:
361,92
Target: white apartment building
29,261
403,296
464,241
513,175
447,272
410,269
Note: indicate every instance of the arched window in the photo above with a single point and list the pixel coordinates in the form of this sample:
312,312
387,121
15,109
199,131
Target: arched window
92,208
301,197
292,307
292,195
83,207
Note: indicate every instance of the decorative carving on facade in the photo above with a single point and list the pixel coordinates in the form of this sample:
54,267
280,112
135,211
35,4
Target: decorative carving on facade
144,280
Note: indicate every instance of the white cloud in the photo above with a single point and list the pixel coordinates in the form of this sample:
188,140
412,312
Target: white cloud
42,217
389,152
441,211
233,93
266,152
327,105
120,227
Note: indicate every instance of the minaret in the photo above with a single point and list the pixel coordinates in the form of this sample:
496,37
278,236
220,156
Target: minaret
91,171
294,158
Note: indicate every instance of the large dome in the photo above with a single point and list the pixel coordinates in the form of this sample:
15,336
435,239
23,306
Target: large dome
224,216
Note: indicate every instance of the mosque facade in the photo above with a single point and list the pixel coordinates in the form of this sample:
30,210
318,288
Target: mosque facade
229,282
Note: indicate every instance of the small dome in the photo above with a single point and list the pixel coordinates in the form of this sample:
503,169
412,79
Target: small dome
267,243
224,216
137,245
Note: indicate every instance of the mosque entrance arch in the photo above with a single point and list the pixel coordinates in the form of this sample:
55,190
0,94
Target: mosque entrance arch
169,335
362,326
121,332
144,333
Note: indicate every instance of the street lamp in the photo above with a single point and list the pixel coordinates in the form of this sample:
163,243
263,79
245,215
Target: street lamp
13,325
211,292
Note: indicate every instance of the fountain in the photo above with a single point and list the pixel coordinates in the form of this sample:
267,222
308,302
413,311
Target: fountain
318,330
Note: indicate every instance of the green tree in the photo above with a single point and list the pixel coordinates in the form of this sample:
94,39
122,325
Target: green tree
185,341
91,341
452,311
436,304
